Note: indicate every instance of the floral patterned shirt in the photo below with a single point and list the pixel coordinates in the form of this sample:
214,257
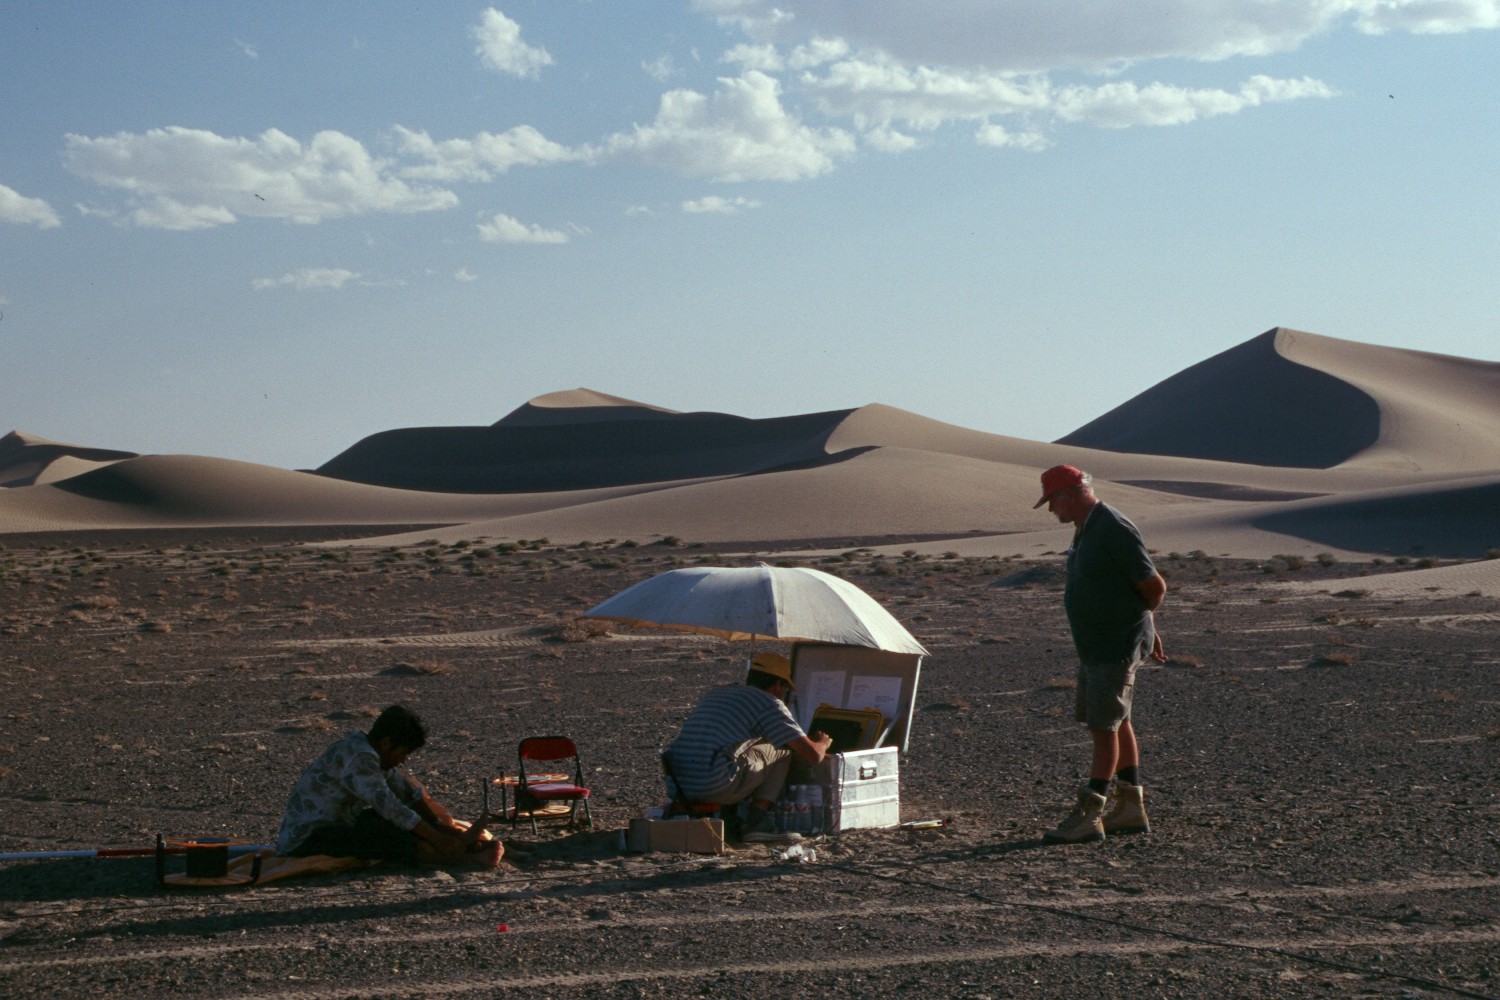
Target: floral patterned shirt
346,780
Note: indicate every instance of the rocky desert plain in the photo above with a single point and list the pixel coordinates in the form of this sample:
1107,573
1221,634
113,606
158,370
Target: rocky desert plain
180,635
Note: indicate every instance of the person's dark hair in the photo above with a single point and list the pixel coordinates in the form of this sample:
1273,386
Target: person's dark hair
401,726
761,679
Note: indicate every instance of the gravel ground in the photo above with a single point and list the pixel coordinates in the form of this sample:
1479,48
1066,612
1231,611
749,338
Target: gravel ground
1321,772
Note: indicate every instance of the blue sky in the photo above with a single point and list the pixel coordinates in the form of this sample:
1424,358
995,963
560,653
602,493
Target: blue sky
262,231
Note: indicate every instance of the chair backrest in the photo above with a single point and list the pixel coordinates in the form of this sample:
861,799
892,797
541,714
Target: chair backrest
547,748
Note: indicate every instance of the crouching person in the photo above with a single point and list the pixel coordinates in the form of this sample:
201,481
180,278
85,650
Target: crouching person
354,801
737,745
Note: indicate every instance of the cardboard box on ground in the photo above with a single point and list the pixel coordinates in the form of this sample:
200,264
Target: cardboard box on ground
679,836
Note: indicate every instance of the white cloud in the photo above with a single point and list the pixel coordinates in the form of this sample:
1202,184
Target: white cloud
180,178
500,47
888,140
759,57
20,210
991,134
660,69
817,52
716,205
879,94
1426,17
308,278
1042,35
1122,105
250,51
464,275
480,158
506,229
741,133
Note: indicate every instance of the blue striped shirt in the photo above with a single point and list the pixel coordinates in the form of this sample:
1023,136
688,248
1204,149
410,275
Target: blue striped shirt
727,720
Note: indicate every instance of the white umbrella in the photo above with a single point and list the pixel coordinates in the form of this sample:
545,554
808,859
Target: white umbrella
760,602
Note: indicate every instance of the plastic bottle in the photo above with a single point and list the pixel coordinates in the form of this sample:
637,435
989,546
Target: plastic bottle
786,815
815,808
804,809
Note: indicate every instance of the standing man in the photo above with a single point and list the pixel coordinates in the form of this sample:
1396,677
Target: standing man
1112,589
737,745
354,801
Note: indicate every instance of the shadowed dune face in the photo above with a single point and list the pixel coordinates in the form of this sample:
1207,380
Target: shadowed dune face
1250,404
1458,521
582,453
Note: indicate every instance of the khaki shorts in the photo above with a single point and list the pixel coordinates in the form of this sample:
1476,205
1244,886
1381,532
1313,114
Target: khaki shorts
761,775
1105,691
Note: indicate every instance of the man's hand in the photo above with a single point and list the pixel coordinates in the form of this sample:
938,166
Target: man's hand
1158,653
811,749
475,833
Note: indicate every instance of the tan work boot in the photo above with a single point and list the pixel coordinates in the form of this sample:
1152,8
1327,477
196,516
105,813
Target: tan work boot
1127,811
1084,824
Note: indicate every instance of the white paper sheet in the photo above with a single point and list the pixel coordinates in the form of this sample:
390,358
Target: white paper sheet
820,687
883,693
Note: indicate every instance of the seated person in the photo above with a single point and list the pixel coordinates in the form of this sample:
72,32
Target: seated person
737,745
353,802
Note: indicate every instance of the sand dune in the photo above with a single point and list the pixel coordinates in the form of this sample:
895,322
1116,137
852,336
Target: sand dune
190,490
580,406
545,450
884,492
26,460
1288,398
1289,443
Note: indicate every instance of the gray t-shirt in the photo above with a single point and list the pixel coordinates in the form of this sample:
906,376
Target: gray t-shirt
704,756
1110,622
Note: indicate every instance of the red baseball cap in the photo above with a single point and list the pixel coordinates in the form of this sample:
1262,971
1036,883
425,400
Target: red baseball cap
1057,479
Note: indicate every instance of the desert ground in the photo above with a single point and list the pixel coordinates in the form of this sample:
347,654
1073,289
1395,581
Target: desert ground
1320,756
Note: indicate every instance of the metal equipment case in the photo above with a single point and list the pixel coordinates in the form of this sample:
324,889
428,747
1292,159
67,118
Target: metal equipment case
861,785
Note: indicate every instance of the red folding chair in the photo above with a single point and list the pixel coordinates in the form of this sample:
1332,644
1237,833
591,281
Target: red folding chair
537,792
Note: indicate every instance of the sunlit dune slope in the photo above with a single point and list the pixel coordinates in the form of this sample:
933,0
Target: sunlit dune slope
191,490
1289,398
26,459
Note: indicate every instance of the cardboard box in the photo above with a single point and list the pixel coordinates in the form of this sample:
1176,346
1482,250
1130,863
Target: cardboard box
680,836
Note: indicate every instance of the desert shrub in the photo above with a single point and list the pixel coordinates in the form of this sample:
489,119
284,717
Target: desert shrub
425,667
1326,559
97,602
